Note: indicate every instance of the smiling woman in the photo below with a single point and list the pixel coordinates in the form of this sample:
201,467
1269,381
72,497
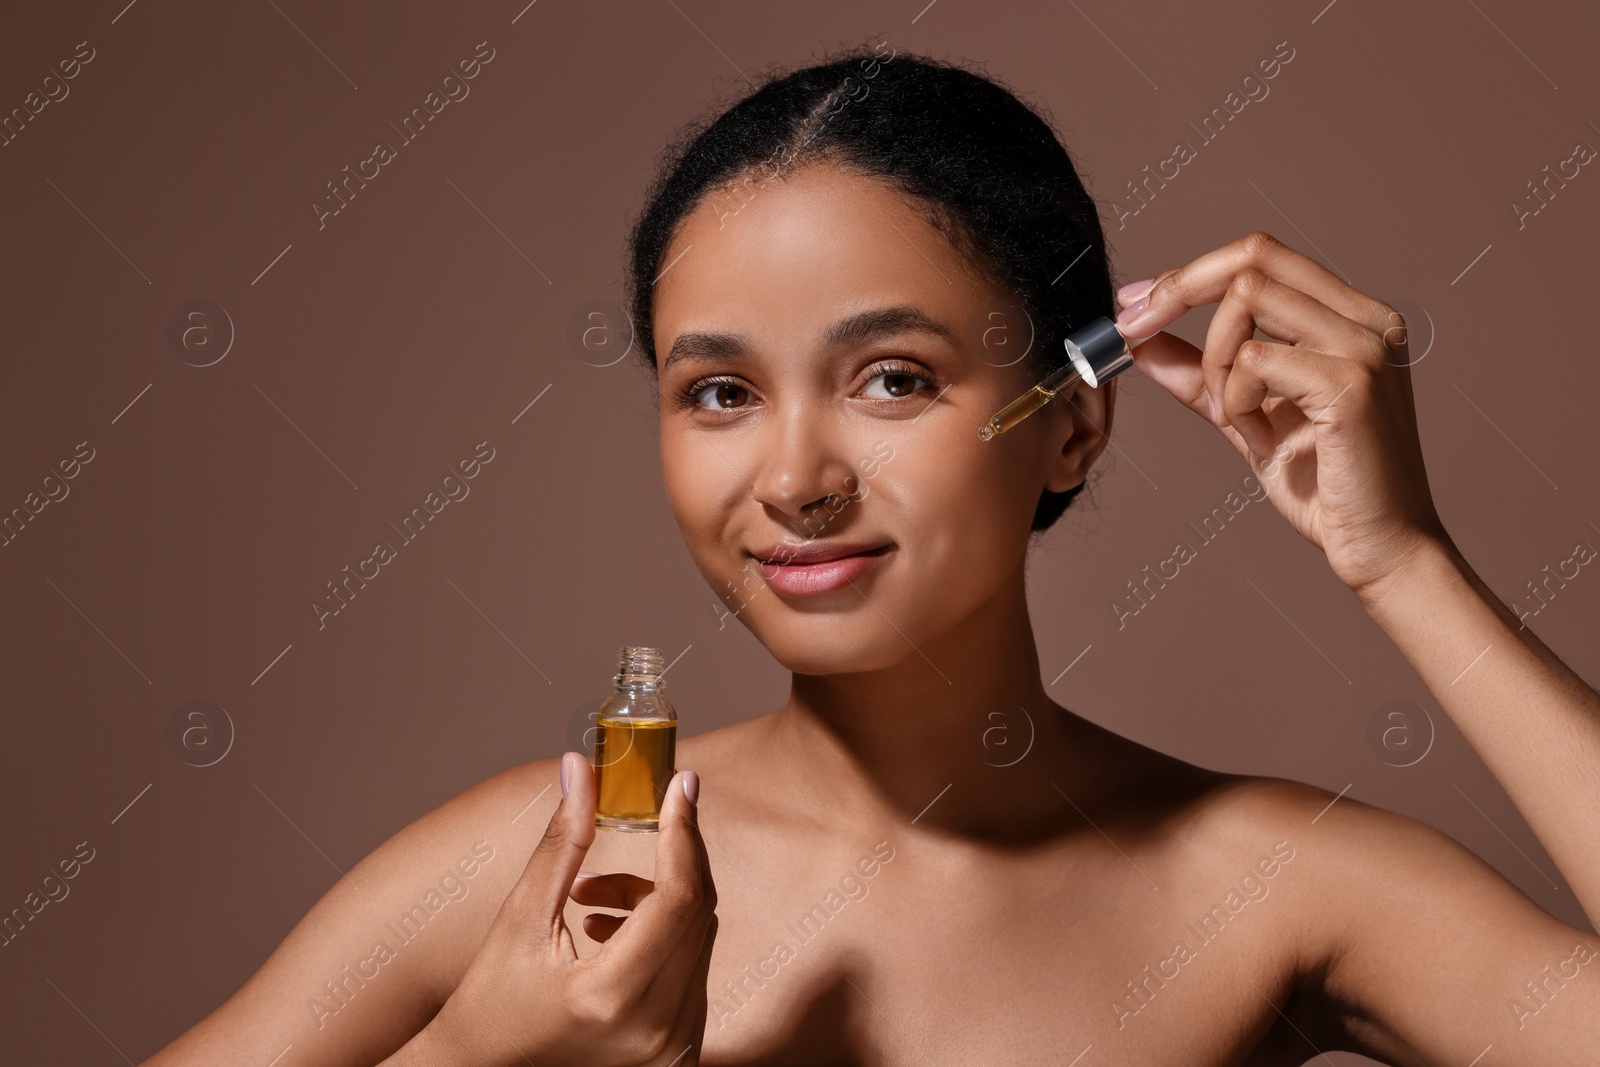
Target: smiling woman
985,178
849,313
846,320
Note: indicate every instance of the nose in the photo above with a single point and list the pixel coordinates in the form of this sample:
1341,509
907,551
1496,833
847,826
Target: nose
802,460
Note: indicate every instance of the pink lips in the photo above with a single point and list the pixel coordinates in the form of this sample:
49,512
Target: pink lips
804,579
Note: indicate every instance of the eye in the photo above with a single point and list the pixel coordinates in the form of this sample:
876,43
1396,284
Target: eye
722,389
889,382
900,380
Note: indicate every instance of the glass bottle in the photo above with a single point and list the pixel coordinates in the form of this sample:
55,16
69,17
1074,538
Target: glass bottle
635,739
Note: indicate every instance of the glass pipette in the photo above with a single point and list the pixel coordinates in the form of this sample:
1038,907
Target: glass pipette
1097,353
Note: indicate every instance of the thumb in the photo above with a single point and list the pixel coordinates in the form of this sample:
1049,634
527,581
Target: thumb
688,1033
541,892
1174,364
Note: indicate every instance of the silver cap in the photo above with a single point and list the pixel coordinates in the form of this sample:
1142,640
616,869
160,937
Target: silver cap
1099,351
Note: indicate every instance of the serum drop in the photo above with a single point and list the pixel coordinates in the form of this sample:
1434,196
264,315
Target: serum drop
635,739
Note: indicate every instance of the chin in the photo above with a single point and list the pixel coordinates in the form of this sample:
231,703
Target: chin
826,644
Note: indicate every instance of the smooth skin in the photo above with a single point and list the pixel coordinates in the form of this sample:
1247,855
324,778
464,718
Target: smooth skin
1020,908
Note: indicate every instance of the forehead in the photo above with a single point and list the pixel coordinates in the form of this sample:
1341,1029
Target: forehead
794,254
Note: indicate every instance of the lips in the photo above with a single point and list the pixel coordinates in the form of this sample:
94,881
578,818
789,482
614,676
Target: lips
814,567
801,552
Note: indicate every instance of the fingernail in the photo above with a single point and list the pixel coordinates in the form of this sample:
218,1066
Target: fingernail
1134,289
563,774
691,786
588,874
1132,313
1211,405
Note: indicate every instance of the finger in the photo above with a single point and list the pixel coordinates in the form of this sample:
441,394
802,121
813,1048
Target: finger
620,891
600,926
1205,279
540,894
1255,300
636,954
1134,294
674,985
1174,364
1320,386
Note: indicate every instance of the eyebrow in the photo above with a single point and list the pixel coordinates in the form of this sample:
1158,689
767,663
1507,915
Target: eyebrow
856,329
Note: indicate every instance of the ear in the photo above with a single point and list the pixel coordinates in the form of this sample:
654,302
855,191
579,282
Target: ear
1081,422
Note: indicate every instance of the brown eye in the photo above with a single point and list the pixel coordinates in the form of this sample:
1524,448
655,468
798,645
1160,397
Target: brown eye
726,395
712,394
897,384
900,384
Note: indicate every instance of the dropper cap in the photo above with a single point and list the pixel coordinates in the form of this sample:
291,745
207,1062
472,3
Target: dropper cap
1095,354
1099,351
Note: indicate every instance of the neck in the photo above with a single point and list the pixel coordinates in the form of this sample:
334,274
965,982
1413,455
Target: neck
959,734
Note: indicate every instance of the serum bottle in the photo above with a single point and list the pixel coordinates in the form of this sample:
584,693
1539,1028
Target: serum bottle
635,739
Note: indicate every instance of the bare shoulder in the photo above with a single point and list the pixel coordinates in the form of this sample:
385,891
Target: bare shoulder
369,963
376,956
1413,948
1349,847
1340,849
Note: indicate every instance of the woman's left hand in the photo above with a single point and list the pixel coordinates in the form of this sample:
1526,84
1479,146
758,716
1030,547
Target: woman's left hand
1326,419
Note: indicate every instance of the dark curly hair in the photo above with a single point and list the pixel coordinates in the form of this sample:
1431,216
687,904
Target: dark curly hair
987,170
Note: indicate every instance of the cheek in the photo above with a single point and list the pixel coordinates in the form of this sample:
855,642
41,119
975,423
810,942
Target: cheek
964,515
698,483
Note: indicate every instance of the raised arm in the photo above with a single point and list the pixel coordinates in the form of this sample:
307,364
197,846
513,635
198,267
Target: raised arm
1328,423
1533,721
1427,955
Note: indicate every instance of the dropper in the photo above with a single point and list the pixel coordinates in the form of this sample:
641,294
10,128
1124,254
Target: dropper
1098,352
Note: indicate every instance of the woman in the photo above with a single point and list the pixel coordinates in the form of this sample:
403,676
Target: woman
818,281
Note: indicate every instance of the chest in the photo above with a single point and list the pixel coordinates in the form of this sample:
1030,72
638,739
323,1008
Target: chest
890,952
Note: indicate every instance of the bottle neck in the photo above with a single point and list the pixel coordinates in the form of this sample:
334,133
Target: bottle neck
639,670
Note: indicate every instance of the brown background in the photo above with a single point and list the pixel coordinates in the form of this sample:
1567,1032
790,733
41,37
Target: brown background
378,350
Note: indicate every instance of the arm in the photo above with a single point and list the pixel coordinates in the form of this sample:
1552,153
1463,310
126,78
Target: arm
1325,416
328,992
1422,952
1533,721
421,1051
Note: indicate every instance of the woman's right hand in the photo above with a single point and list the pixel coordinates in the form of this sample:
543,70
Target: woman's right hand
639,999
